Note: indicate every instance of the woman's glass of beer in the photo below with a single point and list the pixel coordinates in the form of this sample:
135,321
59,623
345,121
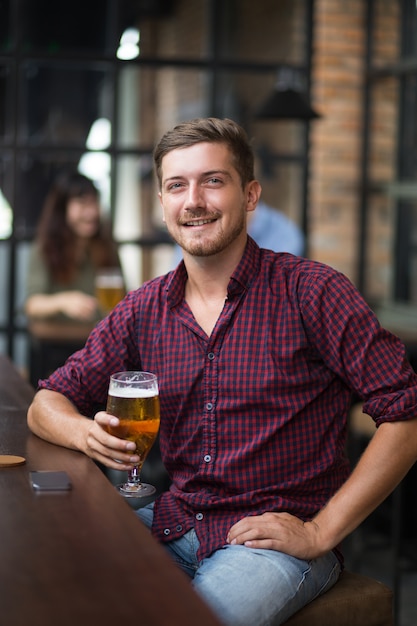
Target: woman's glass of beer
133,397
110,288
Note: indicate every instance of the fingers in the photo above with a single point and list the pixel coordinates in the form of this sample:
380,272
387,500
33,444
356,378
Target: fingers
110,450
276,531
259,527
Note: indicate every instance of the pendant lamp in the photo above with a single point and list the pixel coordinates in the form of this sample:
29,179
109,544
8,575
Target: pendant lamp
287,101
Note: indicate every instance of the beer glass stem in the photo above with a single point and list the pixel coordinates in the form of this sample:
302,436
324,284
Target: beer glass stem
134,476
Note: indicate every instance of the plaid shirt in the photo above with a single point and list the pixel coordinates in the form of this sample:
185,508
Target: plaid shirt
253,418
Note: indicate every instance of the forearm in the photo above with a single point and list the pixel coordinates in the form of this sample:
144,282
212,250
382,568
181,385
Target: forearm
390,454
53,417
43,305
73,304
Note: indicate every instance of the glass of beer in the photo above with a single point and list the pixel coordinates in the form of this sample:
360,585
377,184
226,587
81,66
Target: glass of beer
133,397
110,288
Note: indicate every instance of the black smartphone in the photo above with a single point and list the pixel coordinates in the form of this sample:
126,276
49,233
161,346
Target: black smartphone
50,481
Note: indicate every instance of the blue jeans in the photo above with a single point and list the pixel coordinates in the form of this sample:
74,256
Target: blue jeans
250,587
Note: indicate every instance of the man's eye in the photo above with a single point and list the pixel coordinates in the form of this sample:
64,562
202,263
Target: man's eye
214,180
174,186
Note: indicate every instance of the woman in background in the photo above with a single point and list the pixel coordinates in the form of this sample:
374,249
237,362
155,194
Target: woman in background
71,246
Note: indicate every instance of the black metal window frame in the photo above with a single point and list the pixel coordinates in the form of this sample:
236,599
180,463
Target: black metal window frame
403,190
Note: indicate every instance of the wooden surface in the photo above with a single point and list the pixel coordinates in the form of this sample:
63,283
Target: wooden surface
82,557
51,330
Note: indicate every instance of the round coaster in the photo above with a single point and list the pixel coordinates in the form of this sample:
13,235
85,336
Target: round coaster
11,460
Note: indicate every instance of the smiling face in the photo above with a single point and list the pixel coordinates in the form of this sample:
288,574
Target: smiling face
83,215
204,204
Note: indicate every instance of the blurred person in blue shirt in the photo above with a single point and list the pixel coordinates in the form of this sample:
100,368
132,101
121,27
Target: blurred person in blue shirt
272,229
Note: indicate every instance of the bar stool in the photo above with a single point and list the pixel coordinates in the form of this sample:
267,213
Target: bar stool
355,600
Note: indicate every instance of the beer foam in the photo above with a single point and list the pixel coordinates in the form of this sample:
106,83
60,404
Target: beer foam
109,281
132,392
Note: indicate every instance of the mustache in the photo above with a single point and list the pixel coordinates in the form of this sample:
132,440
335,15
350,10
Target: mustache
198,214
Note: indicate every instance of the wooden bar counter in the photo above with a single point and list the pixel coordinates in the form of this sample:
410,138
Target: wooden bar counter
81,557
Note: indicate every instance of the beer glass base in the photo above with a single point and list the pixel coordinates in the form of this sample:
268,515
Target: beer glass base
140,490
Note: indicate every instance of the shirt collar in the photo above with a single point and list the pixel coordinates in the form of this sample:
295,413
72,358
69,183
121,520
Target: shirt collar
241,279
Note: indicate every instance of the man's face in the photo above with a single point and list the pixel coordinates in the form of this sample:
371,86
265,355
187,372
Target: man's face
204,205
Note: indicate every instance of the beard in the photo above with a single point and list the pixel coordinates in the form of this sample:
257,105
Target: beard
204,246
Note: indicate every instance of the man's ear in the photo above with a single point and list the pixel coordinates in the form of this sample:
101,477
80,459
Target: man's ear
253,191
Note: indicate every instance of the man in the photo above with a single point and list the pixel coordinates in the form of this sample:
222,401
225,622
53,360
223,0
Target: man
257,354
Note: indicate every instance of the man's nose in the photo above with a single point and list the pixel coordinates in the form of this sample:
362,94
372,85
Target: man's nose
194,196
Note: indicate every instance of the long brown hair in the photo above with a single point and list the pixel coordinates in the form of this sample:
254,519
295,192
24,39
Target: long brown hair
57,240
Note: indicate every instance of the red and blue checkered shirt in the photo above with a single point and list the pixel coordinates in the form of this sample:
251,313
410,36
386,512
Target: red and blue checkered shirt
253,418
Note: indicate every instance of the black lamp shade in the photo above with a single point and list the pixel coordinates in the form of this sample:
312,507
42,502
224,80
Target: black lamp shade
286,104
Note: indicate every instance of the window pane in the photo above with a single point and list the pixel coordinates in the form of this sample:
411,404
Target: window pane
152,101
409,9
6,119
385,98
241,94
6,196
174,29
138,215
136,194
5,29
161,259
282,189
76,26
143,263
267,31
22,269
413,263
405,220
386,39
61,102
409,128
4,277
20,352
380,248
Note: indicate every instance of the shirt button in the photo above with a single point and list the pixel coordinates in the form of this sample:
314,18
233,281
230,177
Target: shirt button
166,531
178,528
207,458
209,406
210,356
199,516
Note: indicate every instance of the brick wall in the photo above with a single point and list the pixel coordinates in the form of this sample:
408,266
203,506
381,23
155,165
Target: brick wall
335,153
336,139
